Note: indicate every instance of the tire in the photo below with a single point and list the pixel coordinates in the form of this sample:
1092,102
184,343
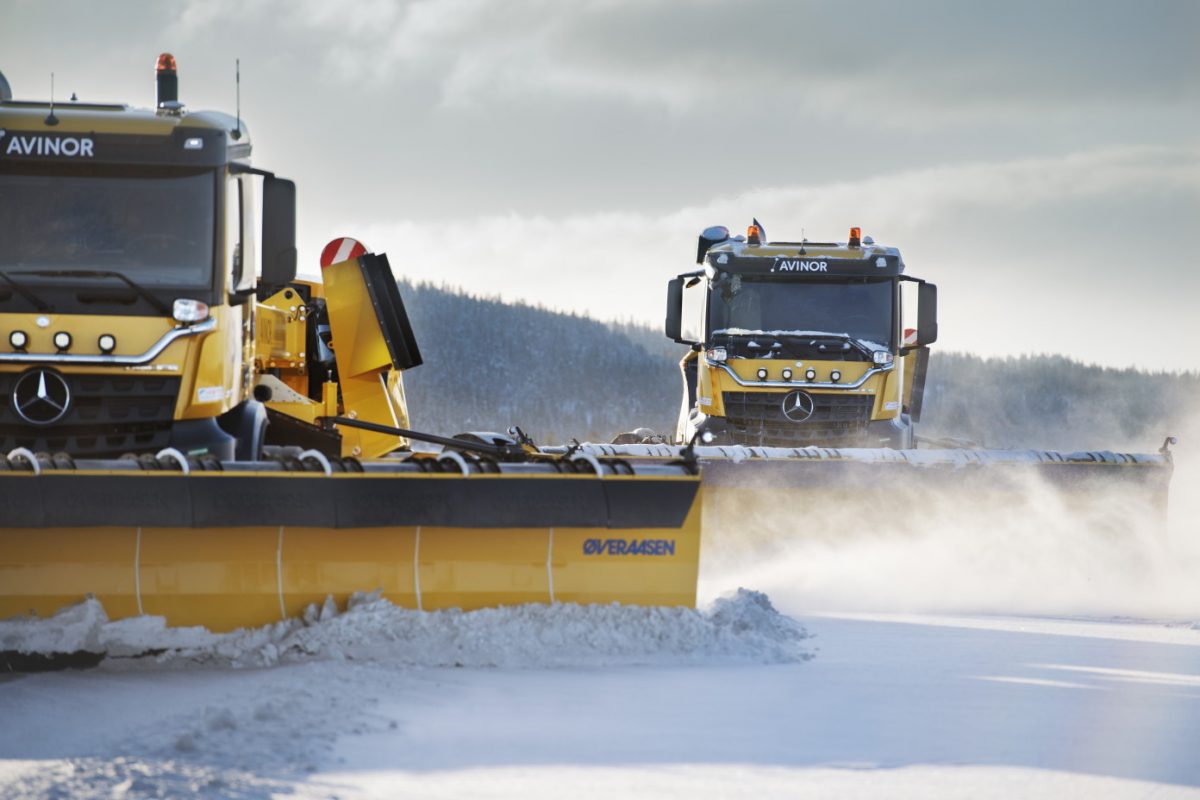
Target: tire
247,424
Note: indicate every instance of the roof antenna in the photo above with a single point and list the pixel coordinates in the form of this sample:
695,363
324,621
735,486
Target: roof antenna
237,132
50,118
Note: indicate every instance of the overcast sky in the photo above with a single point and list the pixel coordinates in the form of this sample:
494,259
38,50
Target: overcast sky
1040,161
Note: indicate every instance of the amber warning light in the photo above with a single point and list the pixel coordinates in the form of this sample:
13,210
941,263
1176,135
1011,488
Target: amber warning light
166,80
855,237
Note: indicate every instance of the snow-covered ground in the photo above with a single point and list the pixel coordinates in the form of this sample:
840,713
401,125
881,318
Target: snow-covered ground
624,705
961,661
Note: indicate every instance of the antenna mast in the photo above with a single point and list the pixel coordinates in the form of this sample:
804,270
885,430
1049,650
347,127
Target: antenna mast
50,118
237,134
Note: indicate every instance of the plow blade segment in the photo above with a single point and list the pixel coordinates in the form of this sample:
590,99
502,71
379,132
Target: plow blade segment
252,544
754,493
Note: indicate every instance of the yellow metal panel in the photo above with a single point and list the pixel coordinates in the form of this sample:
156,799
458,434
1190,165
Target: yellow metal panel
281,328
589,566
225,578
306,412
908,366
462,568
357,337
222,578
366,397
43,570
397,400
892,383
213,362
318,562
747,370
134,335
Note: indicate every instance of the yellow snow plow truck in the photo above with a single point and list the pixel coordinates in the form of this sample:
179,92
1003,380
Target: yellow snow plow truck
802,384
187,430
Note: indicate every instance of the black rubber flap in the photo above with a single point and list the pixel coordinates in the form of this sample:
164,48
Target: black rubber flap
389,310
223,500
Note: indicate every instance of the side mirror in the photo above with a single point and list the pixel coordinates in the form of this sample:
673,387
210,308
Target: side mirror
675,310
927,326
279,235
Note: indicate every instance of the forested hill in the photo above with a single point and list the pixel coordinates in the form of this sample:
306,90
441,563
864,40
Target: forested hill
489,365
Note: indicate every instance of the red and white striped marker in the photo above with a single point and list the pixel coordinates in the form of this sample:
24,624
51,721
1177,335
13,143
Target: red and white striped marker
340,250
910,337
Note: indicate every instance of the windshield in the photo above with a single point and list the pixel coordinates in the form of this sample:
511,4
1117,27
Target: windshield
156,226
861,310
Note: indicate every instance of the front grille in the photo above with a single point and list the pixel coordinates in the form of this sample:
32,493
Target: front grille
108,415
838,420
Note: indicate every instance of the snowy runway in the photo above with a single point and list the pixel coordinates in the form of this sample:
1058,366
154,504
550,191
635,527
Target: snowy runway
891,706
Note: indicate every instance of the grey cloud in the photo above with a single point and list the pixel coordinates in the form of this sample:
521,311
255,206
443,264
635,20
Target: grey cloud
949,60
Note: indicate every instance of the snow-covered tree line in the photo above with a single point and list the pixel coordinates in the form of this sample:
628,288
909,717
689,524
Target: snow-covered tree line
490,364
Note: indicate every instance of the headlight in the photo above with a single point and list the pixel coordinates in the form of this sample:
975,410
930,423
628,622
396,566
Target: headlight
107,343
762,373
810,375
787,374
19,340
835,376
187,310
62,340
882,357
717,354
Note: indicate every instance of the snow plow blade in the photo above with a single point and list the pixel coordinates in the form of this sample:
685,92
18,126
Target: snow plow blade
836,493
246,544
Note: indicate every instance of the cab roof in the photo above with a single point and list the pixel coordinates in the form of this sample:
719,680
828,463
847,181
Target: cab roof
120,133
805,259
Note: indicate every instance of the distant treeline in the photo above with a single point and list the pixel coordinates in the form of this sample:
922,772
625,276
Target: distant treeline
490,364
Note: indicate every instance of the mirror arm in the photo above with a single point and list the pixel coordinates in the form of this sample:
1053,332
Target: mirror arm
245,169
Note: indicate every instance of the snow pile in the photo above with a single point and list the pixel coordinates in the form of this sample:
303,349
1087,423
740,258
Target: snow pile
85,627
122,777
741,627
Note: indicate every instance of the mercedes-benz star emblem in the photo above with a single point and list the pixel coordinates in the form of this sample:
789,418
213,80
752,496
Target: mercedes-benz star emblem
41,397
798,406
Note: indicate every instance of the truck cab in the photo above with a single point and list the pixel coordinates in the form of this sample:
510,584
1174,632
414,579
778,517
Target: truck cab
796,344
130,266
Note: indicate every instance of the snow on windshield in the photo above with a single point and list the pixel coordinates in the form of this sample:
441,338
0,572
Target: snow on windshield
867,343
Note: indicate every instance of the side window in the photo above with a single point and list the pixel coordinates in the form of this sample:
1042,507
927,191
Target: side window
240,225
908,312
692,327
233,235
251,224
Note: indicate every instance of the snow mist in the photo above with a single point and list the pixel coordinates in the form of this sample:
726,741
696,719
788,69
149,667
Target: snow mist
1025,550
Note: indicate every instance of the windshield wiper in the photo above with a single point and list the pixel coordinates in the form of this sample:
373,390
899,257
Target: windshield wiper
159,305
38,303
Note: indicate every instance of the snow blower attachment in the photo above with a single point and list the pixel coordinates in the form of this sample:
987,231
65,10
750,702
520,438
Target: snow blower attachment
194,433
